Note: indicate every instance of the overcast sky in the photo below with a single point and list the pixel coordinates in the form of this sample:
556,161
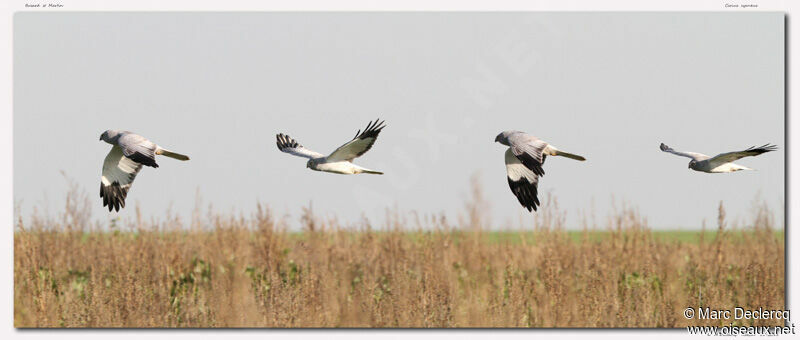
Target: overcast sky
219,86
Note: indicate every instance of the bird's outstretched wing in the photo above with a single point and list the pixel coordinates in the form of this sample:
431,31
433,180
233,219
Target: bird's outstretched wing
529,150
118,174
751,151
693,155
522,181
138,148
360,144
289,145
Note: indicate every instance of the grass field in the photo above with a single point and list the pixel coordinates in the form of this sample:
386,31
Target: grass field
685,236
251,272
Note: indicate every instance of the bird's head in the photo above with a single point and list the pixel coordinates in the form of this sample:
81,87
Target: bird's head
109,136
692,163
309,163
502,138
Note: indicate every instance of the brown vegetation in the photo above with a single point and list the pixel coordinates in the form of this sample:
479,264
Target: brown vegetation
250,272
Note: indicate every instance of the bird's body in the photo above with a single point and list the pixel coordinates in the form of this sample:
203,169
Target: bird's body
722,163
340,161
524,159
340,167
726,167
126,158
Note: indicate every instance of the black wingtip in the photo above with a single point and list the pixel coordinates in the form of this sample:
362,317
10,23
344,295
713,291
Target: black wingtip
284,141
372,130
113,196
526,193
278,138
769,147
762,149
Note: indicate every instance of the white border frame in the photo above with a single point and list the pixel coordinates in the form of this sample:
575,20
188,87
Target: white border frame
6,147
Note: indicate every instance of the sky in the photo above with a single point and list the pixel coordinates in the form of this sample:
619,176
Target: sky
219,86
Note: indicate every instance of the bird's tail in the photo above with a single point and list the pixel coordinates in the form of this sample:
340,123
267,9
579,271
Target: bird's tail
170,154
569,155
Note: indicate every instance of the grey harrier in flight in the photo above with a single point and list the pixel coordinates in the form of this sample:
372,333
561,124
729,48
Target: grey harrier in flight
129,152
524,159
340,161
722,162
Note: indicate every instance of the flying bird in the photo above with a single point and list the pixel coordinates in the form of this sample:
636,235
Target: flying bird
524,159
722,162
128,153
340,161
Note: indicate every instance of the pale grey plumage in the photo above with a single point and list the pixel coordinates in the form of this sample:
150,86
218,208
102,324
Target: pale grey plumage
340,160
721,163
120,167
133,146
524,159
